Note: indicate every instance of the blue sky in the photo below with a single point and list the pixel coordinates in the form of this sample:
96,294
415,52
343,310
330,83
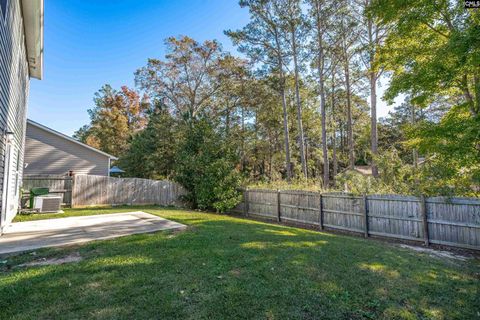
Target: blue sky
89,43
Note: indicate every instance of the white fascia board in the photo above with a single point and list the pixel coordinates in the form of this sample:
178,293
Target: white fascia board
32,11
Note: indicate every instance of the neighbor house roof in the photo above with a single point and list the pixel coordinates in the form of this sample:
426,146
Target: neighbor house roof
41,126
32,12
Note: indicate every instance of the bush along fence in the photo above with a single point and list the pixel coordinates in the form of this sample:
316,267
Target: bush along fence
90,190
438,220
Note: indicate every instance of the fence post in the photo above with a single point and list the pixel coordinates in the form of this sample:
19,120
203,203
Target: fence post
365,212
245,202
278,206
72,193
423,212
320,216
70,180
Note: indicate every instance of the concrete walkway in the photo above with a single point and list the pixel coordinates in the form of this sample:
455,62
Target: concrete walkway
24,236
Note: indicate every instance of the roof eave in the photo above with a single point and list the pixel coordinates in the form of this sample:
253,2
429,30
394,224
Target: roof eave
33,13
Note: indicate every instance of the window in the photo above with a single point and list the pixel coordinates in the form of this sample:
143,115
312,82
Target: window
3,7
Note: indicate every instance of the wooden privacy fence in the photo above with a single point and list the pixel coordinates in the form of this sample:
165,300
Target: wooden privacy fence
58,185
90,190
438,220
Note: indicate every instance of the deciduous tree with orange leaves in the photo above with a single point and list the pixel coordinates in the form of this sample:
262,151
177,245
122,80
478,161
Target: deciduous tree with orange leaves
117,115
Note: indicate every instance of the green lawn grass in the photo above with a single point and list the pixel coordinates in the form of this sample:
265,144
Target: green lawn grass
224,267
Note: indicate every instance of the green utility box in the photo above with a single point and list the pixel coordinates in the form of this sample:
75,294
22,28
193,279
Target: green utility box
37,191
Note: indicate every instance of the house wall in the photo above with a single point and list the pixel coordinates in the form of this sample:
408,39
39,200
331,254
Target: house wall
48,153
14,86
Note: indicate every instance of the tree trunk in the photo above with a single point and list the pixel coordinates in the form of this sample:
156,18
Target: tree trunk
243,140
342,137
301,140
334,129
227,123
326,169
414,151
320,67
351,154
373,97
468,95
285,130
476,88
374,137
270,157
256,164
285,112
334,156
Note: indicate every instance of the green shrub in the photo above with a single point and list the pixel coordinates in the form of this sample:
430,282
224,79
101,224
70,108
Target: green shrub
396,177
151,151
295,184
206,168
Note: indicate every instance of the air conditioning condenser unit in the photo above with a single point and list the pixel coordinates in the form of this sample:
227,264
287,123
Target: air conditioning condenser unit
47,203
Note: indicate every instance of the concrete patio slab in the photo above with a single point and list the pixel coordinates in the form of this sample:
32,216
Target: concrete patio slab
24,236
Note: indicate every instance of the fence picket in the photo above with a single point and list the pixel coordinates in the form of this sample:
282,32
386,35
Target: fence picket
90,190
438,220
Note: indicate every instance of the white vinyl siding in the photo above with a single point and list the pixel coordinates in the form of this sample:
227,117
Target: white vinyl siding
14,85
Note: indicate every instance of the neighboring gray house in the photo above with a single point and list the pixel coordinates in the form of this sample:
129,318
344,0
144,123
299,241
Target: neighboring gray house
21,58
49,152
